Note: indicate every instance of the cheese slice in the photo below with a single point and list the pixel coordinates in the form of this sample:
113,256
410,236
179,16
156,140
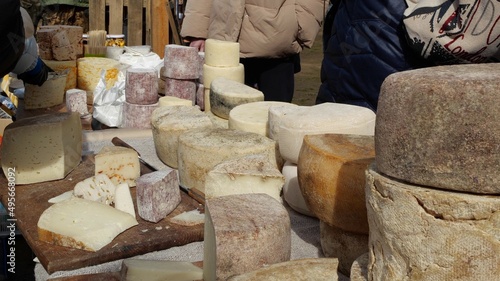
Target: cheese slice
51,93
82,224
123,199
42,148
120,164
220,53
97,188
158,270
252,117
226,94
61,197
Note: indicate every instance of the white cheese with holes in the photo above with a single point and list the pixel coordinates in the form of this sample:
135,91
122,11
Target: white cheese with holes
97,188
221,53
120,164
252,117
157,270
226,94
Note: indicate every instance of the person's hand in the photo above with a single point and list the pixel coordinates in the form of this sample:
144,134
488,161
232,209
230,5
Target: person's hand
199,44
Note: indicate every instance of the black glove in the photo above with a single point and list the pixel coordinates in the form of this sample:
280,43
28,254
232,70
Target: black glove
36,76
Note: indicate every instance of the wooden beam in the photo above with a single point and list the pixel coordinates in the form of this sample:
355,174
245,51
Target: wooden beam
97,15
115,17
160,26
134,23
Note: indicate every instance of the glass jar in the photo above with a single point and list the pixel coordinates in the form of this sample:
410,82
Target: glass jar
115,40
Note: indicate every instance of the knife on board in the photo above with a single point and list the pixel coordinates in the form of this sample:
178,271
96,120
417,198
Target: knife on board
197,195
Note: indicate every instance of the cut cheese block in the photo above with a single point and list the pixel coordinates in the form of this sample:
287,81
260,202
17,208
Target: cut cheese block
141,85
67,38
42,148
181,62
343,245
242,233
217,121
76,101
276,113
184,89
120,164
137,115
82,224
158,194
226,94
323,118
44,42
51,93
359,268
168,123
123,199
248,174
235,73
98,188
318,269
89,72
172,101
189,218
157,270
291,190
221,53
434,134
69,67
331,173
420,233
252,117
201,150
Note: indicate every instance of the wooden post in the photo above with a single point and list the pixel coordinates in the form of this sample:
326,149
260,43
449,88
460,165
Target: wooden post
160,26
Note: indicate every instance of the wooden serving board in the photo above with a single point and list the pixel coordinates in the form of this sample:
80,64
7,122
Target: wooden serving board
31,200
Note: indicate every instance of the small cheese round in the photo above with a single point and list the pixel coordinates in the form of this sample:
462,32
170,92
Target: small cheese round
252,117
235,73
221,53
181,62
141,85
137,115
51,93
226,94
181,88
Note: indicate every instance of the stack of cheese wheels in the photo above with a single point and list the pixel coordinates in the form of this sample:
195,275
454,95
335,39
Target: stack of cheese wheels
436,173
222,59
141,97
181,70
226,94
331,174
51,93
244,232
168,123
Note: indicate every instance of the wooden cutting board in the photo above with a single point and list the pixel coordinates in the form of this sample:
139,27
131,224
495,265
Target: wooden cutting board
31,200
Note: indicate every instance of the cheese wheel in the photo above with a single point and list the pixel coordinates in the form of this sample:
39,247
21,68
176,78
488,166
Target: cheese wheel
359,268
76,101
248,174
321,119
51,93
42,148
168,123
252,117
120,164
217,121
432,134
184,89
173,101
257,226
219,53
158,194
201,150
421,233
82,224
343,245
331,173
137,115
69,67
181,62
139,270
291,190
226,94
276,113
141,85
235,73
89,72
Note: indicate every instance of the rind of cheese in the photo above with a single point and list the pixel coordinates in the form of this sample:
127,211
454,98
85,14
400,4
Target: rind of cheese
181,62
219,53
291,190
141,85
61,66
82,224
173,101
168,123
359,268
420,233
257,226
89,72
61,197
184,89
123,199
137,116
248,174
42,148
318,269
432,134
335,118
217,121
120,164
226,94
331,173
51,93
200,151
276,112
235,73
139,270
252,117
98,188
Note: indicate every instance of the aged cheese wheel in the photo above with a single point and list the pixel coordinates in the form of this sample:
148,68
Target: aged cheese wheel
343,245
331,173
181,62
235,73
276,112
42,148
120,164
323,118
217,121
82,224
173,101
140,270
291,190
184,89
252,117
255,232
439,127
69,67
168,123
51,93
141,85
76,101
221,53
226,94
89,72
247,174
359,268
200,150
420,233
137,115
318,269
158,194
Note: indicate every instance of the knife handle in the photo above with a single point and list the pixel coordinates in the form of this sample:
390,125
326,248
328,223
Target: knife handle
119,142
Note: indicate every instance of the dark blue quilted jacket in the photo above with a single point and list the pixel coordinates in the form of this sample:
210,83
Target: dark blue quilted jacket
365,44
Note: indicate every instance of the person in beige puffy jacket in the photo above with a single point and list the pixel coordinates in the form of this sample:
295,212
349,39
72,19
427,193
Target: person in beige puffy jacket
271,33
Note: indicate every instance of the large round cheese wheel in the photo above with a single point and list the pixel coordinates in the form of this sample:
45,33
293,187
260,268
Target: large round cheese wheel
252,117
276,113
331,172
321,119
168,123
200,150
221,53
226,94
291,190
89,72
440,127
420,233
